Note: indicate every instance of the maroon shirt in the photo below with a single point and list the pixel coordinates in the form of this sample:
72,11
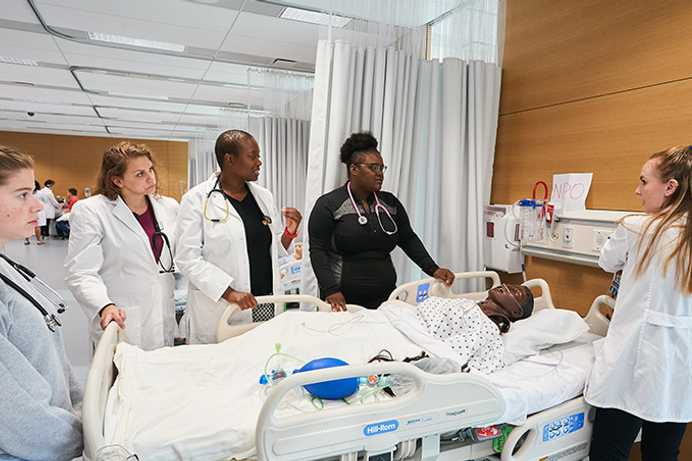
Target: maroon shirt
146,220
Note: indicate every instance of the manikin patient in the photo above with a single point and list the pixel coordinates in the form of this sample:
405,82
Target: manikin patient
473,330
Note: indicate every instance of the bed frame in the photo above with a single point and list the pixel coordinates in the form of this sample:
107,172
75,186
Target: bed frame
405,428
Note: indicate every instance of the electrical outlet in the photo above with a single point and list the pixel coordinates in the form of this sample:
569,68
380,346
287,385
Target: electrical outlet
600,236
567,237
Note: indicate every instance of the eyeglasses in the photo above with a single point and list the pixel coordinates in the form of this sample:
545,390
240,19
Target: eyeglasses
374,167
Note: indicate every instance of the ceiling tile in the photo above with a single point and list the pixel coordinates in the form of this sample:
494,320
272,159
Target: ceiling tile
37,75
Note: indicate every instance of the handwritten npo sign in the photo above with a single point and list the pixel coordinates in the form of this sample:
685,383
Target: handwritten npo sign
570,191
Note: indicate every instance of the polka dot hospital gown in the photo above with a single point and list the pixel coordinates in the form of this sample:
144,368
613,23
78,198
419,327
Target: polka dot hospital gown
466,329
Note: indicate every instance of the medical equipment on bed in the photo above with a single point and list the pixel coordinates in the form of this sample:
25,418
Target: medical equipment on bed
47,292
329,390
363,220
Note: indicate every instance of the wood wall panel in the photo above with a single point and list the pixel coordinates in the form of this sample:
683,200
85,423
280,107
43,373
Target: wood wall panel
610,136
563,50
74,161
590,86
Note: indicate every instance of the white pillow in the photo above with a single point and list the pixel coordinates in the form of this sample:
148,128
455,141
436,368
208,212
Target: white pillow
543,329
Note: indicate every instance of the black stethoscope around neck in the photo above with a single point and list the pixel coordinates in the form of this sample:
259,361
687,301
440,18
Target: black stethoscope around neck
166,243
47,292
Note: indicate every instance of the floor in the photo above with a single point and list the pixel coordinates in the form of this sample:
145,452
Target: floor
47,262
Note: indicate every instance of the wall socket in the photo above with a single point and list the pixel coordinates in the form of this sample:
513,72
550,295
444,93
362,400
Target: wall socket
600,236
567,237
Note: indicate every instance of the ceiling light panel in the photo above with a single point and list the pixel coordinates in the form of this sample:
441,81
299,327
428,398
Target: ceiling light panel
29,45
61,16
314,17
18,61
42,76
27,106
43,95
154,116
136,42
135,87
274,28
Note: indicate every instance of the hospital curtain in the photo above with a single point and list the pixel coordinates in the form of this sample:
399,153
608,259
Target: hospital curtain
436,124
283,145
201,160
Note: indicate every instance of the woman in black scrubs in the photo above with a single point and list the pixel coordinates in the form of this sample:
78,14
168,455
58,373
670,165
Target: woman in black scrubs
353,230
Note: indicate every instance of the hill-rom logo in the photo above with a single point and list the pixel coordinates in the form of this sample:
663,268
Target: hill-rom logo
381,428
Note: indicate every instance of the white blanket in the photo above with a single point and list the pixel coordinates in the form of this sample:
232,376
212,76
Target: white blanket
202,402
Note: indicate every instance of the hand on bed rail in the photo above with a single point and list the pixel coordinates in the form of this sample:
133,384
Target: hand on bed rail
444,275
337,301
242,299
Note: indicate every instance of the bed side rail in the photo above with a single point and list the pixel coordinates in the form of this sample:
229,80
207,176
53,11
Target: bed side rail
598,323
99,381
545,299
562,432
414,292
436,403
225,330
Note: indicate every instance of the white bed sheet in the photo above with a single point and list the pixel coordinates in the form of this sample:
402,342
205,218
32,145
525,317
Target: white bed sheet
202,402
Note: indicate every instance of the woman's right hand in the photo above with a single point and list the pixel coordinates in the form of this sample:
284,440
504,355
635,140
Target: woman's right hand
337,301
241,298
112,313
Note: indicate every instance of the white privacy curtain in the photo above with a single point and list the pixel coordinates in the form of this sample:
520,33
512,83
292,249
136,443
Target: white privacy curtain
201,160
436,124
283,145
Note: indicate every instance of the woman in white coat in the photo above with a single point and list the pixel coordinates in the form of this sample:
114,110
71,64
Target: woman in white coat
642,376
229,239
120,256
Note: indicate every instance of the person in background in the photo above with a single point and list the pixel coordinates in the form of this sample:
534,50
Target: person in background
230,238
120,257
642,375
41,221
50,205
39,395
71,198
354,228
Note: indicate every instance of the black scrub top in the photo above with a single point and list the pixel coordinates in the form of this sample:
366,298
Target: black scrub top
258,239
355,259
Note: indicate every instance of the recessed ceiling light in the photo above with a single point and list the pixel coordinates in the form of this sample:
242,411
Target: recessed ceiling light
20,61
314,17
110,38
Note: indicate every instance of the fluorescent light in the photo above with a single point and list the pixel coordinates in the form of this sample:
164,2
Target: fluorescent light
136,95
314,17
110,38
20,61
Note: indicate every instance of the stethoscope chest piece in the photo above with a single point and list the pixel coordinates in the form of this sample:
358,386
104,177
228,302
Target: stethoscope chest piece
362,220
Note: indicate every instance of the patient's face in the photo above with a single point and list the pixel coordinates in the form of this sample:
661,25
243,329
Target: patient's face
509,298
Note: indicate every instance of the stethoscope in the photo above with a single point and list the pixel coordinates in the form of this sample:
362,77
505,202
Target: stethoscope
47,292
166,243
266,220
363,220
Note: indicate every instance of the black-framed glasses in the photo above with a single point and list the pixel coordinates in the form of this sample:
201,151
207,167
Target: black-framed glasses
374,167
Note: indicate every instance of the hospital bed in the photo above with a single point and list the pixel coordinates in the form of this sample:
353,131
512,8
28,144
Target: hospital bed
407,427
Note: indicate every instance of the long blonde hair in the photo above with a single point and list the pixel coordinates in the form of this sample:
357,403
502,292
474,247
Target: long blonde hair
674,163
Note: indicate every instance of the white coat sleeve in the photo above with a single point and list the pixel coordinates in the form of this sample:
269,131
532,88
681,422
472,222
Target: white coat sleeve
52,200
614,251
205,276
84,261
31,427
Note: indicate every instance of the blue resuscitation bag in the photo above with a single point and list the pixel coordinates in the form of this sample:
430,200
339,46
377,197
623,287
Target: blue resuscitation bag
329,390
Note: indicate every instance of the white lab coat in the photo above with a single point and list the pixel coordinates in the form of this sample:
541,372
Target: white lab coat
644,365
213,255
50,204
110,260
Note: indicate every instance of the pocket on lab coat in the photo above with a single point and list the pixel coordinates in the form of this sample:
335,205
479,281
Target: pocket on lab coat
664,354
